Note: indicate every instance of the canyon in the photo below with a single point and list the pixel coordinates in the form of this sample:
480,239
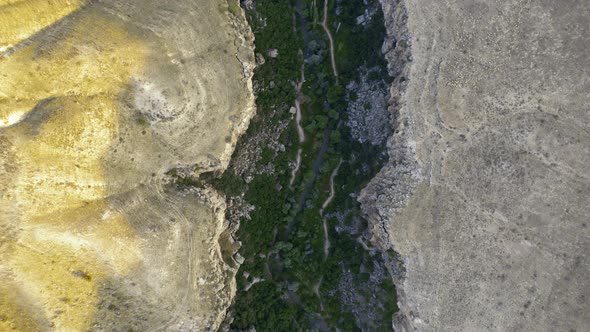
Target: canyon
390,165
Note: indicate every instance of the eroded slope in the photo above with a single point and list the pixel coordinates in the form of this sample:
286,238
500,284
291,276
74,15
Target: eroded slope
97,102
487,195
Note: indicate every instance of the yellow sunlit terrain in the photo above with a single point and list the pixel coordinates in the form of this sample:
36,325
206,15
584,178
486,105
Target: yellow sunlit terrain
20,19
67,238
99,100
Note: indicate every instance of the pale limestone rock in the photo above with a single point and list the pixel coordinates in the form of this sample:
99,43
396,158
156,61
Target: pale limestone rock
487,193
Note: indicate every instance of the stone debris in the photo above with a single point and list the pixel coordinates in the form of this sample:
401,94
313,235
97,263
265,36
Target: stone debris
239,258
273,52
260,59
368,116
248,4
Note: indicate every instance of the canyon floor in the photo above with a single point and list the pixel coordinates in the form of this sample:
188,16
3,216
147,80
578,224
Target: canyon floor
487,194
98,101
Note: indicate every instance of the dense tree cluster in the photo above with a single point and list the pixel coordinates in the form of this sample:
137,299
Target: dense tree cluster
283,241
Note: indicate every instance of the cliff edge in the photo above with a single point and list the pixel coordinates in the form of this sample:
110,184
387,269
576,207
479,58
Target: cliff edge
487,192
108,111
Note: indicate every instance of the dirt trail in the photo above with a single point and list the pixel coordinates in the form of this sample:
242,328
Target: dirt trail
316,291
325,27
326,203
300,131
296,169
332,192
326,240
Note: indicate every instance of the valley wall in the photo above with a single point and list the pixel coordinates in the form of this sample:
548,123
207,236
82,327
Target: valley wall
99,102
487,192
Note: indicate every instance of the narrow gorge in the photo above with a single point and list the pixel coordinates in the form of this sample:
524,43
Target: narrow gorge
293,181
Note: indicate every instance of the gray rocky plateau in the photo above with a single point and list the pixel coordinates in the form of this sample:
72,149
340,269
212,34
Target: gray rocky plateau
486,196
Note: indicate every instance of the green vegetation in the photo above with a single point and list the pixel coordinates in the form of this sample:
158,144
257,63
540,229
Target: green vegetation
358,45
283,241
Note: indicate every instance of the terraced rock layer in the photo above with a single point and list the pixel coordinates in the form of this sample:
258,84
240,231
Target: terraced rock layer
98,100
487,194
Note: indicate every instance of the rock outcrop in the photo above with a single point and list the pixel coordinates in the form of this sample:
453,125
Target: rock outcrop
368,116
486,196
99,100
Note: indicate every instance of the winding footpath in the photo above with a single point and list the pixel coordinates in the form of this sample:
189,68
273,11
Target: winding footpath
326,203
300,131
296,169
319,323
325,27
335,171
332,192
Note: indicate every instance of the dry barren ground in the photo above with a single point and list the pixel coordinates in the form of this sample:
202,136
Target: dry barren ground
97,101
487,196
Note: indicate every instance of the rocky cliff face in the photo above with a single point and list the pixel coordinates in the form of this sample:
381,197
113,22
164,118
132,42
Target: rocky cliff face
99,100
486,195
